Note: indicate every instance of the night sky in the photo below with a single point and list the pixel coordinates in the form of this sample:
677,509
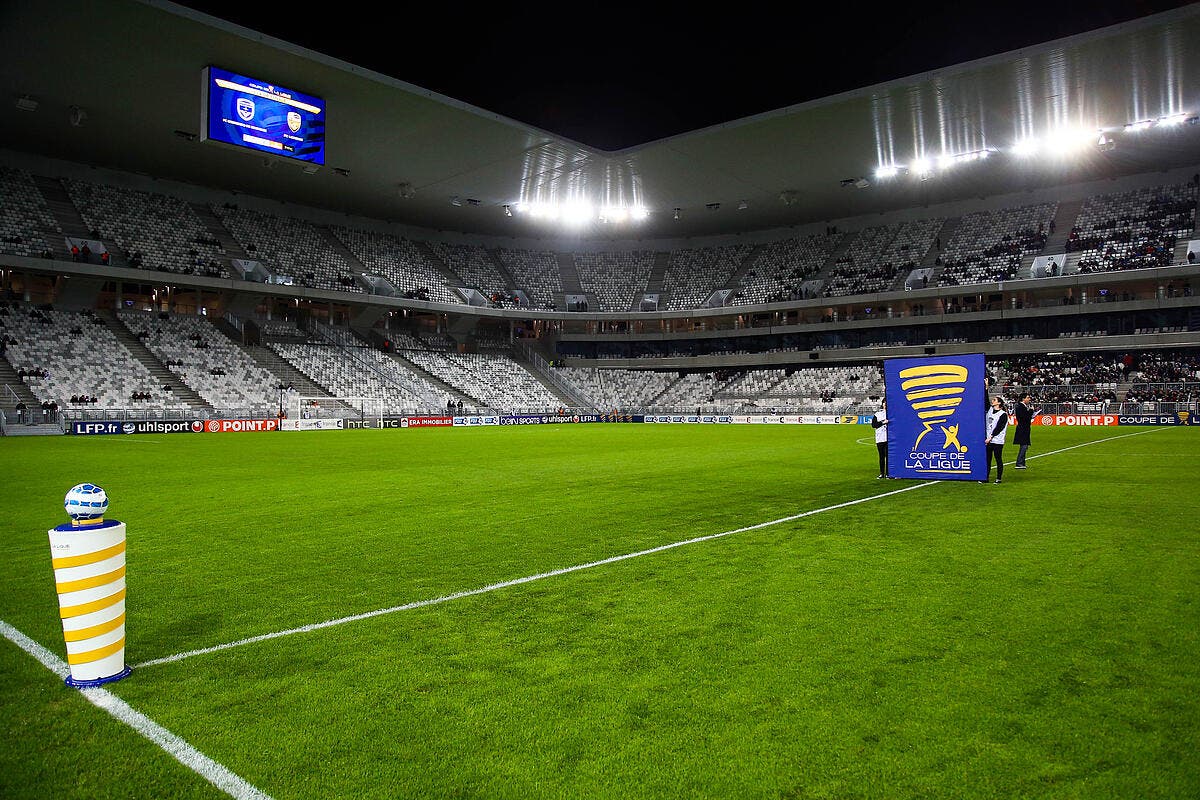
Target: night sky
620,75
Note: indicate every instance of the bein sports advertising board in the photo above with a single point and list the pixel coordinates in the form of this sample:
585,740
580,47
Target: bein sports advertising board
257,115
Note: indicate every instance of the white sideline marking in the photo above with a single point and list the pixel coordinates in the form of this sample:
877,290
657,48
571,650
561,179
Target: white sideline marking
216,774
316,626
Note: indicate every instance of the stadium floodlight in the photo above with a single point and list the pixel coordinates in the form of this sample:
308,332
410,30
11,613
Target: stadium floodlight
1065,141
946,161
1027,147
1140,125
576,213
922,166
638,213
1172,120
889,171
613,214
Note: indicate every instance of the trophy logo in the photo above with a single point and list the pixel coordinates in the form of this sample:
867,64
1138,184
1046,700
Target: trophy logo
934,392
1183,417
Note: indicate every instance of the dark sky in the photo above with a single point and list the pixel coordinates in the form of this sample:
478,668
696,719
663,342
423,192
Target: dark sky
617,75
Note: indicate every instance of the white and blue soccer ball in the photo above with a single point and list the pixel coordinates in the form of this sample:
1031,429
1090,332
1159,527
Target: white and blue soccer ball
86,501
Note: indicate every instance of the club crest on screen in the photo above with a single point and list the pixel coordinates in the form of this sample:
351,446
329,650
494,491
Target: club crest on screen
245,108
293,120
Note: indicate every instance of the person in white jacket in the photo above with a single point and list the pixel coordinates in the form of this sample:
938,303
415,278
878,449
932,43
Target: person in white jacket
996,430
880,423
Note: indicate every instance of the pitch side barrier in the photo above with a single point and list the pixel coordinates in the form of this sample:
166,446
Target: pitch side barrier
110,427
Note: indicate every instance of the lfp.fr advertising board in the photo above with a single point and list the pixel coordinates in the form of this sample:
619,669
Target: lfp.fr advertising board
936,417
108,427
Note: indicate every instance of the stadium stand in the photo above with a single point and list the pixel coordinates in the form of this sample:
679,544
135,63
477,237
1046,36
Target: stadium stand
534,271
620,389
1132,230
76,354
398,260
781,268
496,381
24,217
878,255
288,247
155,231
615,278
474,265
693,275
206,360
988,246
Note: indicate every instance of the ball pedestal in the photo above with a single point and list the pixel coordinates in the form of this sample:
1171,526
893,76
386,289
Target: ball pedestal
89,573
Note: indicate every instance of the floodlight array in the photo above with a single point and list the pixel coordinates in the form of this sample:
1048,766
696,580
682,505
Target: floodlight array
579,213
1059,143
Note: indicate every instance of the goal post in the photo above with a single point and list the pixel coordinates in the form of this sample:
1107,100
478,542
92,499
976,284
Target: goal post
326,407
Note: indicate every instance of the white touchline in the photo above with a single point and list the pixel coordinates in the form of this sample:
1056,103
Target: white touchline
316,626
216,774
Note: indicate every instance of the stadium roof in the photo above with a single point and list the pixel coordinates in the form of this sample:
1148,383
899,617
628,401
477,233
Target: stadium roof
135,68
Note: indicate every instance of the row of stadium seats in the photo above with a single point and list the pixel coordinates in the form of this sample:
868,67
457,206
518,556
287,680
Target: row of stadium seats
1112,232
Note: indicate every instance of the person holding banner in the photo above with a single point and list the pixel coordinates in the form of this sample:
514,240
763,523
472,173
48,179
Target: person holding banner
996,429
1024,412
880,422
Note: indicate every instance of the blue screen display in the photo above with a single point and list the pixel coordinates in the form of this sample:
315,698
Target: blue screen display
262,116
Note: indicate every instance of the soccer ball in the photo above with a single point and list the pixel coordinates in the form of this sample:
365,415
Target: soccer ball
86,501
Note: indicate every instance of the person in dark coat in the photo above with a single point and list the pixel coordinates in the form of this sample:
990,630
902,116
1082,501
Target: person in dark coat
1025,412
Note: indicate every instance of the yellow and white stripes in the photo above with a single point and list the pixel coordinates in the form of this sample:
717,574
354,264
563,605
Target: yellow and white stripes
89,573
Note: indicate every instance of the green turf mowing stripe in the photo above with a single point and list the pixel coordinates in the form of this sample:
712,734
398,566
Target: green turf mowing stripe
216,774
576,568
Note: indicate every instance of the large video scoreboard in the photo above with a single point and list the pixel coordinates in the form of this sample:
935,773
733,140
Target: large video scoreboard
257,115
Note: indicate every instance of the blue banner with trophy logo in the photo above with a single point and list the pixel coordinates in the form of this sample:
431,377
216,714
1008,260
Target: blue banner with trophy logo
935,411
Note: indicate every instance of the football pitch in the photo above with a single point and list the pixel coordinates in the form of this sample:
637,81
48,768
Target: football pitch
613,611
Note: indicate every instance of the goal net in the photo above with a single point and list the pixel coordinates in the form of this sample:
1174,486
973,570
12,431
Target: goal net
324,407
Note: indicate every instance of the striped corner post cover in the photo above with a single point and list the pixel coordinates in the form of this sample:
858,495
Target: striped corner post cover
89,573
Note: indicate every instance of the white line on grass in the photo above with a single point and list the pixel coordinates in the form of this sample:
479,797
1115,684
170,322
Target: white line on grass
316,626
216,774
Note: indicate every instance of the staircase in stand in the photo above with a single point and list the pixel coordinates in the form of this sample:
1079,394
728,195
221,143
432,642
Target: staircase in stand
72,223
217,230
1056,243
339,247
507,276
949,227
288,375
434,380
162,375
747,264
436,261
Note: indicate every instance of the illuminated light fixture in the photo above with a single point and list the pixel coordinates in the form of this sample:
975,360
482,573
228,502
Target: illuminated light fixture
922,166
1027,147
638,213
1172,120
1065,141
1141,125
613,214
889,171
576,213
947,161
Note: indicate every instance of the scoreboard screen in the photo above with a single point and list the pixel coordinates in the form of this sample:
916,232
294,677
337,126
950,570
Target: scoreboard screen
261,116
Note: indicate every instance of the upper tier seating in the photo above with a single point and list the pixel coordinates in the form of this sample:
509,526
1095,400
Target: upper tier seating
24,215
289,246
988,246
693,275
398,260
781,267
1133,230
877,256
534,271
615,278
155,231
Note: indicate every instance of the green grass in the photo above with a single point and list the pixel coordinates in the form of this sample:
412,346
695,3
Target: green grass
1035,639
